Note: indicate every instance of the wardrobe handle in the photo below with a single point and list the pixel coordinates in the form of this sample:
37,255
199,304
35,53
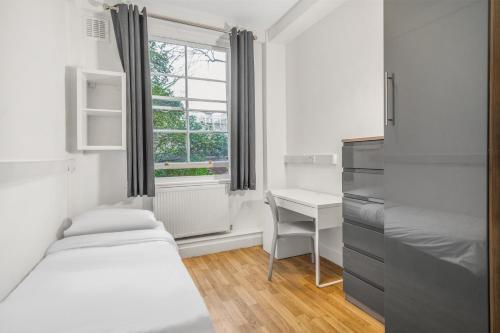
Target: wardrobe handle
388,98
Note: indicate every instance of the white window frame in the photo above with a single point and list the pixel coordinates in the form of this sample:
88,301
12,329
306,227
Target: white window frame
186,99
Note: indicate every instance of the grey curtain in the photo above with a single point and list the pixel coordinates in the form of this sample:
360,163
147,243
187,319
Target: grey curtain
242,111
131,33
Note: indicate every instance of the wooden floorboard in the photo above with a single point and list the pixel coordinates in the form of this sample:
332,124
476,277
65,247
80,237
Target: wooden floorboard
240,299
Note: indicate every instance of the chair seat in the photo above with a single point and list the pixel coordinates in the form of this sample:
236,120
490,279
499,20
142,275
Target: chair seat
305,228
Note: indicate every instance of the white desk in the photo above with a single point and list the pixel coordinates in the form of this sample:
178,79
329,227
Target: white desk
325,209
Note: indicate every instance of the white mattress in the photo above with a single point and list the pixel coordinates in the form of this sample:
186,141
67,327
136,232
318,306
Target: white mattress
131,281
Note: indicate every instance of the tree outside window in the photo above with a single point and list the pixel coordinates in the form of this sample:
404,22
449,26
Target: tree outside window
189,88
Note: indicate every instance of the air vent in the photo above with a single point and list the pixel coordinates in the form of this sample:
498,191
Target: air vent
96,28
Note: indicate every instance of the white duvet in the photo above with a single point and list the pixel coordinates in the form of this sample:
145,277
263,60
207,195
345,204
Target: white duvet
130,281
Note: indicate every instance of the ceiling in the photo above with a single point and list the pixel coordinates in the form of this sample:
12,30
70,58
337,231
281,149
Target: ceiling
257,14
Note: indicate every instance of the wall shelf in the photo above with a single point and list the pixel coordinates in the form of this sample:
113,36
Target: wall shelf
318,159
103,148
101,113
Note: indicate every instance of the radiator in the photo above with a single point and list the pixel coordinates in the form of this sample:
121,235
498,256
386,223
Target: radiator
193,210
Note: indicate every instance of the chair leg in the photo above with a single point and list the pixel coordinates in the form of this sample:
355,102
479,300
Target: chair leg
271,257
312,250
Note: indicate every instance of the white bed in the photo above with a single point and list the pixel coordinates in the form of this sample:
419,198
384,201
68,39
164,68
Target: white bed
129,281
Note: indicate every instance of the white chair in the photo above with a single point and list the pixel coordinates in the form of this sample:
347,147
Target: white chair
284,229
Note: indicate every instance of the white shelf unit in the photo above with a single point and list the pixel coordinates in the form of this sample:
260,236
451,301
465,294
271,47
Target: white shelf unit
320,159
101,110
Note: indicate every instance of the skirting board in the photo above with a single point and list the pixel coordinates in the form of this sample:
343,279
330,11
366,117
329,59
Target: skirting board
365,308
331,254
236,239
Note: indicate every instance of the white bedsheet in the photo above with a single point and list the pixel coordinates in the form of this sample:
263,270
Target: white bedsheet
131,281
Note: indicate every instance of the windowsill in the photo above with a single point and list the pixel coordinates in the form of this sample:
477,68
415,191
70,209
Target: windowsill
162,182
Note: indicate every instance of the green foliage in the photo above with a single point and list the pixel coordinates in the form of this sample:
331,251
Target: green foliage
171,147
162,57
189,172
169,120
208,147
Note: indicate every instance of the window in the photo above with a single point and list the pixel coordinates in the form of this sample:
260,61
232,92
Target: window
189,86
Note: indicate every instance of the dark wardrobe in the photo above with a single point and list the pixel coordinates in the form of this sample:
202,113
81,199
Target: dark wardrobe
435,160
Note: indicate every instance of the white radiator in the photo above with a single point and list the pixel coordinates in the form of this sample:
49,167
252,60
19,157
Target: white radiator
193,210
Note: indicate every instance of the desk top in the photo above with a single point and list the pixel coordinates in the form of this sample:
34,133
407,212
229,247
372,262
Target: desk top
308,198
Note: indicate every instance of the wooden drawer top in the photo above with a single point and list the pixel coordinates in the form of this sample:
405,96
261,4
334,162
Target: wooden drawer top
367,138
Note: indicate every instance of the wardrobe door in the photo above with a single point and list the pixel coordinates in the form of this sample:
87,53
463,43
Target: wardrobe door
435,154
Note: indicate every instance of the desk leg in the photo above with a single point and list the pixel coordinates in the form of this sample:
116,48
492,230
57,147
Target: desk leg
317,262
316,254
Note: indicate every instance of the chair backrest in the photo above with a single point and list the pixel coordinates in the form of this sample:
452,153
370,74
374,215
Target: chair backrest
274,207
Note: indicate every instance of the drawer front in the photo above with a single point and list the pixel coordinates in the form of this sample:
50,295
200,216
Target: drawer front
367,268
363,183
364,293
365,240
363,155
367,213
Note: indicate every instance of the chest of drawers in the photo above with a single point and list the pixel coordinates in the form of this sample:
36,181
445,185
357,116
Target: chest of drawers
363,226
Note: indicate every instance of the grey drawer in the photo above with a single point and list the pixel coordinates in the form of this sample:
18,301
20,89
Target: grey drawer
363,183
364,267
363,155
367,213
365,240
366,294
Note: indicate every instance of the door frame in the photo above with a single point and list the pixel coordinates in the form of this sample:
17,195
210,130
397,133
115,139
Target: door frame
494,168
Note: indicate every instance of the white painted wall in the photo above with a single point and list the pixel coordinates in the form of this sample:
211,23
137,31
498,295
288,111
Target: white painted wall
32,127
100,177
275,137
334,90
40,42
275,114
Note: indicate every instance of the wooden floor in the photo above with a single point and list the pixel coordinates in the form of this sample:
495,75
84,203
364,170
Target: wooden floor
240,299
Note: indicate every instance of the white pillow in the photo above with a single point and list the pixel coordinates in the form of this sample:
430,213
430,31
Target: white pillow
111,220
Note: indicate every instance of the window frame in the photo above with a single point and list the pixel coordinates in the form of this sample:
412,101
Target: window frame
189,164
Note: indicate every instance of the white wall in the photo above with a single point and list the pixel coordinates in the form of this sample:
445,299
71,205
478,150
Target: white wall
32,127
275,114
100,177
274,130
334,90
41,42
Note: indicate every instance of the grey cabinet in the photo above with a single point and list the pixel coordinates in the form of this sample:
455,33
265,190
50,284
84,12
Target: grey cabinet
363,294
363,155
363,240
370,269
367,213
435,166
363,227
363,183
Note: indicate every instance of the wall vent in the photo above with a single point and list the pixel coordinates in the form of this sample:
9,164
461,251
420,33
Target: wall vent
96,28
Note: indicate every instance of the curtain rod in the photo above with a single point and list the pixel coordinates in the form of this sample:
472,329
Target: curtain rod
180,21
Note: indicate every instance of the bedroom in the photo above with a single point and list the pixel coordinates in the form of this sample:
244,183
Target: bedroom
246,165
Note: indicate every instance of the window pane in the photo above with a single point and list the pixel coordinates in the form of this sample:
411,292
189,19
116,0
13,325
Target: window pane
162,85
208,106
170,147
207,89
208,121
169,120
166,58
206,63
163,104
208,147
